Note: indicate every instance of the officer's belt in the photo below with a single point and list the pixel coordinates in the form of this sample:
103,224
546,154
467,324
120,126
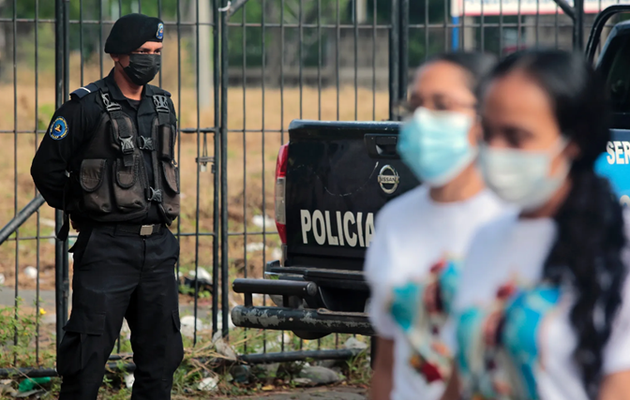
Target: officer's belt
142,230
137,229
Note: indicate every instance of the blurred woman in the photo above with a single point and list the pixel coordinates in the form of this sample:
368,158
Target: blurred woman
419,229
543,307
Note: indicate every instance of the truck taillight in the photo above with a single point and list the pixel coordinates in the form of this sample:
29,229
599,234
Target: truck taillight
281,181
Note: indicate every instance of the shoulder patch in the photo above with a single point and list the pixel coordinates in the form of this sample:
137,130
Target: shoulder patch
58,129
160,31
85,90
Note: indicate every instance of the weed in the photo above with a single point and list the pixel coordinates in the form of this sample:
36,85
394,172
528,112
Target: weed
358,370
18,332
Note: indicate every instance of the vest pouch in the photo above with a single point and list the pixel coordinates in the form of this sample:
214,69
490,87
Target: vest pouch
97,198
166,140
170,201
123,134
129,186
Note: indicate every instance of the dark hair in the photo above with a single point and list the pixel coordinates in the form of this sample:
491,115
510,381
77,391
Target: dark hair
478,65
590,239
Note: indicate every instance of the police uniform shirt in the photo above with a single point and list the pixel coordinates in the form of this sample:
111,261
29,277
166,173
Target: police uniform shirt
71,129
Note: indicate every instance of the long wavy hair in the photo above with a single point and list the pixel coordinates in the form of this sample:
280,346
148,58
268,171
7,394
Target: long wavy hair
586,255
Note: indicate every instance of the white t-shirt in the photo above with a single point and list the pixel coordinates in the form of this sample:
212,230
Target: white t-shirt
412,233
535,359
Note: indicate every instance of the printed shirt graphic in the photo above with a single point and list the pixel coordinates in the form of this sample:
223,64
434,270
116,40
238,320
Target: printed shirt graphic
411,233
431,357
514,338
499,355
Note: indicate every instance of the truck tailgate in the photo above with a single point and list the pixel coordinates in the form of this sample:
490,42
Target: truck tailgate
338,176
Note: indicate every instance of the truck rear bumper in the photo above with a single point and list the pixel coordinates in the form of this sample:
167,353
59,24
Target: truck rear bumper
309,320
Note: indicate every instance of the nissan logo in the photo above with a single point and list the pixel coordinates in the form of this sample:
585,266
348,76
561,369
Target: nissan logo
388,179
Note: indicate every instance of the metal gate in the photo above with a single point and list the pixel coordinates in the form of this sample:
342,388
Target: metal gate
239,72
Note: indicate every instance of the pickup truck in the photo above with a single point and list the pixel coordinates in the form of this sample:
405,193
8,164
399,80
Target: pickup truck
331,180
333,177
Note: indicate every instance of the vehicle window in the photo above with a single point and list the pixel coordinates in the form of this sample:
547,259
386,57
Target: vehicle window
616,69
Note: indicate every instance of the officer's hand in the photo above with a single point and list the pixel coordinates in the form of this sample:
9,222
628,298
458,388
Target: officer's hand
74,226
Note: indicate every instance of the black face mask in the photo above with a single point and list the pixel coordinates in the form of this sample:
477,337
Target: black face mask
142,68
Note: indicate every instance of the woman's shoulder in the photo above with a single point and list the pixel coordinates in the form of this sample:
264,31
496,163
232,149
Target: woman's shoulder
403,207
494,229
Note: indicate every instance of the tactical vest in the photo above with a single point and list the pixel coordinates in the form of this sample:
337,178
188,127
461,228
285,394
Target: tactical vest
114,184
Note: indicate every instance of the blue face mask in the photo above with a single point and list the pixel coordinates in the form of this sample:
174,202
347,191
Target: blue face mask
435,145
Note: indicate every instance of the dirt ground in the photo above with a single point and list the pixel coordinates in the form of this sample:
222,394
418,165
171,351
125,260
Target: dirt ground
330,393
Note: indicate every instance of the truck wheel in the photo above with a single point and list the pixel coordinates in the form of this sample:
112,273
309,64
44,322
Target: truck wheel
309,335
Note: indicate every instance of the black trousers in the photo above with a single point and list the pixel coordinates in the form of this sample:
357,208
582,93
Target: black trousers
122,275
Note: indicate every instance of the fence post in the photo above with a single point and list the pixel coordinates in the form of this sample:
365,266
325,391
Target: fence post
578,25
404,50
225,307
216,66
61,92
394,59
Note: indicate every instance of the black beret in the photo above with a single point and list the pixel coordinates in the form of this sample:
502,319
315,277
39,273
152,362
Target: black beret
132,31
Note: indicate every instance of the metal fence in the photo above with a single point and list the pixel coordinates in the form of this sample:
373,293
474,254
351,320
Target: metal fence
239,72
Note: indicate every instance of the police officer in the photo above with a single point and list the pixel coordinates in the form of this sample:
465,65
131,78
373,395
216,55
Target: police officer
107,160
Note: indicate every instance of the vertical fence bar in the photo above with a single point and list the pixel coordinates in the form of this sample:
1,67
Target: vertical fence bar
355,17
244,86
282,41
100,36
198,165
337,89
59,245
179,112
537,22
38,215
66,96
556,25
300,80
81,38
445,26
518,27
482,26
282,104
217,40
426,29
337,58
301,55
15,175
462,15
394,59
404,49
224,188
374,23
263,43
501,45
159,5
319,59
578,25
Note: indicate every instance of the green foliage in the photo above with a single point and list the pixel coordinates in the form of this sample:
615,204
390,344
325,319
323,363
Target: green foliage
18,333
90,8
250,50
245,42
359,371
